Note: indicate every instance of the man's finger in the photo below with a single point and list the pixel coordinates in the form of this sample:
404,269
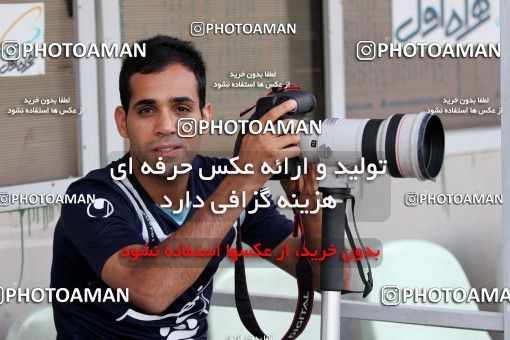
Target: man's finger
310,179
279,110
286,140
290,152
290,124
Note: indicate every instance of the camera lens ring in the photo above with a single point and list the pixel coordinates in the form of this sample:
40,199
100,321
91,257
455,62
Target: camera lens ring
430,156
369,142
390,145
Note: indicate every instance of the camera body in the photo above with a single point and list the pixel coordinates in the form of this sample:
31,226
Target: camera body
305,103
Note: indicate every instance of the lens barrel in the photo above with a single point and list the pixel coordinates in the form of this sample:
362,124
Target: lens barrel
411,144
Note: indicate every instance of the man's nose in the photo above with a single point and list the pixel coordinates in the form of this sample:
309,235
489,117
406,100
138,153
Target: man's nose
166,123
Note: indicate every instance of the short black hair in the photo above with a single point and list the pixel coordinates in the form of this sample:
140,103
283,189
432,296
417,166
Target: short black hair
161,51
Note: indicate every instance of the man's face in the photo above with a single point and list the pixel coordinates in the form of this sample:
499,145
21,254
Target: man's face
157,102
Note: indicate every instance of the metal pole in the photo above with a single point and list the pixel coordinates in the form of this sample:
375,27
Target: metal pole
86,87
332,268
334,65
330,315
404,314
109,31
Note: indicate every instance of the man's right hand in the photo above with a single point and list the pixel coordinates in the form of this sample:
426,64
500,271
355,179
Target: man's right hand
269,148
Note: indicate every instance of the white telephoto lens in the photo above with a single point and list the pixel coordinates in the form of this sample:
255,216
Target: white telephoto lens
411,144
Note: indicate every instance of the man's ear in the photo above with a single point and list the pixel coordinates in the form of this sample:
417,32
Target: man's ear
121,121
207,112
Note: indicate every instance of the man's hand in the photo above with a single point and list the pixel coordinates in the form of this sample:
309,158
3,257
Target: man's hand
257,149
307,183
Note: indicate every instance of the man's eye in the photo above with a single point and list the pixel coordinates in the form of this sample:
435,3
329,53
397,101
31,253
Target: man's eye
183,109
146,110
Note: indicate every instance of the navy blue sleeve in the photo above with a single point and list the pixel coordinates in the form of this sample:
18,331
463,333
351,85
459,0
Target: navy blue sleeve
99,229
267,226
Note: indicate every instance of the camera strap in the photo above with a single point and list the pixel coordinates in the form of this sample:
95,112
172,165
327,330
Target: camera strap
367,281
303,267
304,274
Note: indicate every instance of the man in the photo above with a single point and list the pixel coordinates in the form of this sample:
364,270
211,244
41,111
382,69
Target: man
168,295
